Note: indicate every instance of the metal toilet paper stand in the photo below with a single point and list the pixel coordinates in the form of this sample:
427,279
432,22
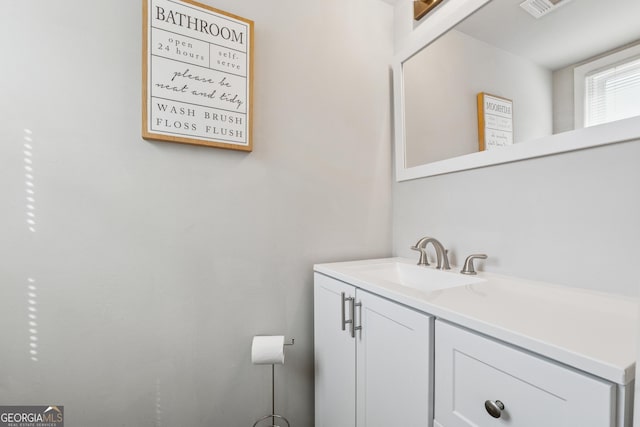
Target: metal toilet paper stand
273,416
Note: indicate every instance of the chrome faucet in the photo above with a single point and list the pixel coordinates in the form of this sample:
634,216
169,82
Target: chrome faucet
441,253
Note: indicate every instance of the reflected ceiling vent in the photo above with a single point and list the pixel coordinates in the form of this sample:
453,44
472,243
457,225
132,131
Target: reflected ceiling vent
539,8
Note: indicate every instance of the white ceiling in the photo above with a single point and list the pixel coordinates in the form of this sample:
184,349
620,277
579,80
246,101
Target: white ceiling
572,33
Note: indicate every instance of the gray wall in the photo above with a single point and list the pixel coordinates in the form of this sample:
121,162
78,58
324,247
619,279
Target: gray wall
571,218
563,100
153,264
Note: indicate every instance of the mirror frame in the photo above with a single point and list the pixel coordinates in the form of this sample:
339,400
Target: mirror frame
441,20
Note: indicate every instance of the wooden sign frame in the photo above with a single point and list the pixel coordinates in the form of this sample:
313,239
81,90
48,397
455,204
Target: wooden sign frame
197,75
495,121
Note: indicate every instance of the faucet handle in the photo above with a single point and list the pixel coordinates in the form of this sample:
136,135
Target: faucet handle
445,260
423,255
468,263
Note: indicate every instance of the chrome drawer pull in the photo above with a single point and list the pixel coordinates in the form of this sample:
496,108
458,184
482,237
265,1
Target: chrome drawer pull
494,408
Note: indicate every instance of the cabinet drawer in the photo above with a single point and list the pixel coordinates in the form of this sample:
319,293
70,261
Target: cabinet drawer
471,370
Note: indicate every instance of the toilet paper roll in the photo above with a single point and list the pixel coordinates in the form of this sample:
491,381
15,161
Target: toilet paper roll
267,350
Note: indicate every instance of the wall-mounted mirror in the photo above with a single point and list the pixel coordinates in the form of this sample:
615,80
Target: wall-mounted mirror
541,64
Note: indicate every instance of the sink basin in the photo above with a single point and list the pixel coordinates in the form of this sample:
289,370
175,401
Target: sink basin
422,278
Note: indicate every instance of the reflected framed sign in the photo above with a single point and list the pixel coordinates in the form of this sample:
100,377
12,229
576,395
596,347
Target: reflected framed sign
495,121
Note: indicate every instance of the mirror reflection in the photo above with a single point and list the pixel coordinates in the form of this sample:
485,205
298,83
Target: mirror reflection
575,66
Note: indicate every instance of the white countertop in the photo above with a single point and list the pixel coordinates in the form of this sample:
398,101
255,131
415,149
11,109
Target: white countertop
591,331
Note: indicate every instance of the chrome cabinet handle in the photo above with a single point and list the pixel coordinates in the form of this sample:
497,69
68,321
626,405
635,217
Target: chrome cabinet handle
355,328
352,324
343,319
494,408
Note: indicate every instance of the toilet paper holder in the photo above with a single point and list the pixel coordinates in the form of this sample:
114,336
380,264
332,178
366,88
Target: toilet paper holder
273,416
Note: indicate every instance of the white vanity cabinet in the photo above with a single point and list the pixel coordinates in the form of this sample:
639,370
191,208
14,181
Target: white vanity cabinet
482,382
379,374
440,349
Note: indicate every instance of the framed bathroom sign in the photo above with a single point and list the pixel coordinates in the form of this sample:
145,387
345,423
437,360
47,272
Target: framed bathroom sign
197,74
495,121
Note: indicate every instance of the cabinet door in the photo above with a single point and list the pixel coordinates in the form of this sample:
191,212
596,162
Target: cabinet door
394,360
533,392
334,353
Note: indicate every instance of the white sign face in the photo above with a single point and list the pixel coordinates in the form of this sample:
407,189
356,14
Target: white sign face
198,75
498,122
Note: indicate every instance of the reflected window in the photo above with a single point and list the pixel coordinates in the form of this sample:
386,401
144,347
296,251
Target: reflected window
608,88
613,93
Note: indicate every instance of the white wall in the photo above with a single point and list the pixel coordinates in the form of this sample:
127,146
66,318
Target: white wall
153,264
570,219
